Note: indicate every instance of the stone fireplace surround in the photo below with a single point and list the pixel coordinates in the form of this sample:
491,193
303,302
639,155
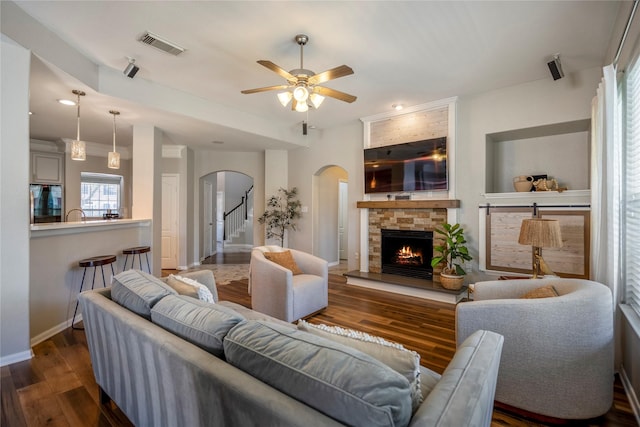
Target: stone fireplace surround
400,219
422,215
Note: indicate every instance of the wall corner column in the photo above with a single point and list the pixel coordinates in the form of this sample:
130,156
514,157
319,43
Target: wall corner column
146,176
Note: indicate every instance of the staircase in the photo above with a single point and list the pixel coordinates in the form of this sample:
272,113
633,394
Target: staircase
238,219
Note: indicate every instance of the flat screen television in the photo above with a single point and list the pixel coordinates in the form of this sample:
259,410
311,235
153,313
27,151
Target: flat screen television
412,166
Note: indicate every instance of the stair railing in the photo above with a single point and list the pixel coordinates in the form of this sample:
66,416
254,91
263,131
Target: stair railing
235,218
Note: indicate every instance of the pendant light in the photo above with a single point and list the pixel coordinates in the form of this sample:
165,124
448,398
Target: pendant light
113,161
78,147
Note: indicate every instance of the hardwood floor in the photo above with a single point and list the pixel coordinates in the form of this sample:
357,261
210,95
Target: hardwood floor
56,387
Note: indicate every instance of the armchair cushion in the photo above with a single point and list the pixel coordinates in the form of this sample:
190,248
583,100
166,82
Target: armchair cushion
284,259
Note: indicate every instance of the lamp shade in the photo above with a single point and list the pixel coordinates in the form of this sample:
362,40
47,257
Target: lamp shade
284,98
300,94
78,147
541,233
113,161
78,150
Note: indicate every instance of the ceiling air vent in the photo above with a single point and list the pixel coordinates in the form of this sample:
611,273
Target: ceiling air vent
159,43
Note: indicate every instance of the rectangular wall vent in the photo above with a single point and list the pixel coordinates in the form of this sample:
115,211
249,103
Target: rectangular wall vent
159,43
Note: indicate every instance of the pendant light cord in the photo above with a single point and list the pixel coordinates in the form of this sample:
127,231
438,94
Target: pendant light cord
114,132
78,128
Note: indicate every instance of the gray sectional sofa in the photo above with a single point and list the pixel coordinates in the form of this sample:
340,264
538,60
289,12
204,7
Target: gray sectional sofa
168,359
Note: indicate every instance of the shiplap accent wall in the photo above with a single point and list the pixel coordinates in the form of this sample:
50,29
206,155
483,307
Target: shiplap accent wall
416,126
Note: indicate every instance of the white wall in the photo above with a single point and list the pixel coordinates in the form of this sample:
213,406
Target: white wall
326,204
14,203
343,147
527,105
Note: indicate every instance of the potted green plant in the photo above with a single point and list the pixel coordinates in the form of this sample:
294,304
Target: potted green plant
281,212
451,255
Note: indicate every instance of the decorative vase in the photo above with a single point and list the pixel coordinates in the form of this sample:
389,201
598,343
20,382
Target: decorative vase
522,183
451,282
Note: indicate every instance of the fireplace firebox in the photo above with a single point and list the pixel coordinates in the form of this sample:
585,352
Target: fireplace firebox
407,253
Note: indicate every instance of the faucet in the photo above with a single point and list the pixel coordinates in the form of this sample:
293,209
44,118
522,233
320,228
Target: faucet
84,216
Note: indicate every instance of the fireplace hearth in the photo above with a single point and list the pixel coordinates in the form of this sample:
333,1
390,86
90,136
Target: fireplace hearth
407,253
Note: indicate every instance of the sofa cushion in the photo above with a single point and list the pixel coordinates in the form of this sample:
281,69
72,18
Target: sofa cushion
343,383
250,314
285,259
547,291
394,355
190,287
138,291
201,323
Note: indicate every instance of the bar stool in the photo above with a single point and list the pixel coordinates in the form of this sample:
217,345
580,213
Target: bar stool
138,250
95,262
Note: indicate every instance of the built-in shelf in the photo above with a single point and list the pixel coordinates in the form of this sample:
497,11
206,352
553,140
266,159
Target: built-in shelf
409,204
537,194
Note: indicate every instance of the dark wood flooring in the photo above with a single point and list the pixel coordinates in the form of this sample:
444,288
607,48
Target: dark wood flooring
56,387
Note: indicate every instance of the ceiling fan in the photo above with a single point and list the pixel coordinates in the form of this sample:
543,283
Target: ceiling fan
303,85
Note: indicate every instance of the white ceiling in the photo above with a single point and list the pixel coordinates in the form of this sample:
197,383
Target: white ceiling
401,52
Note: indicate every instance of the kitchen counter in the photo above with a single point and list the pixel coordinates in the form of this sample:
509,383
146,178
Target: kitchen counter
72,227
55,274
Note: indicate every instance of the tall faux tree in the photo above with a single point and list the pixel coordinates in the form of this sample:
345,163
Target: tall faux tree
281,213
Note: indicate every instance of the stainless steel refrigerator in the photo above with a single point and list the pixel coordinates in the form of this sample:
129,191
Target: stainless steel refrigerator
46,203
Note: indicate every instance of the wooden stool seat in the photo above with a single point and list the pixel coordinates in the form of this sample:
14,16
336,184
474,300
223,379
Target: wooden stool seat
95,262
136,250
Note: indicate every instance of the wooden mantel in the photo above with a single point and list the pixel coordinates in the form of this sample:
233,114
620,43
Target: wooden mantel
409,204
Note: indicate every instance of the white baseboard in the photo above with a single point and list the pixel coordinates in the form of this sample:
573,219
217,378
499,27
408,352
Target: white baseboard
16,357
55,330
631,395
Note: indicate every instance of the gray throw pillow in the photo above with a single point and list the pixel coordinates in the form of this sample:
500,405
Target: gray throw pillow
345,384
138,291
201,323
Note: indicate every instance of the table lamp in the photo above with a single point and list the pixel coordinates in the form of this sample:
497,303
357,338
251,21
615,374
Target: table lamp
540,233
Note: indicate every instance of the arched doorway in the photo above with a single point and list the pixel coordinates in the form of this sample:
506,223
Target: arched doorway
330,225
226,214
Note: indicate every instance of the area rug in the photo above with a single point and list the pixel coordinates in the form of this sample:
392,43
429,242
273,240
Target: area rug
226,273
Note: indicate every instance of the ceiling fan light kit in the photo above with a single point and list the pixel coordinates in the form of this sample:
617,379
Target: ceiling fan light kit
303,85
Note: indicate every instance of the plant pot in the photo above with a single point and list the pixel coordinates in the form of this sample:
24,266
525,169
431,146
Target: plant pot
451,282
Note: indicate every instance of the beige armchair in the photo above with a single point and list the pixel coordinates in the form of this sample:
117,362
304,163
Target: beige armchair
276,291
557,358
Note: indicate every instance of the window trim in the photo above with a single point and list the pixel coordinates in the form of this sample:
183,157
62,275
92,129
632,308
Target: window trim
101,178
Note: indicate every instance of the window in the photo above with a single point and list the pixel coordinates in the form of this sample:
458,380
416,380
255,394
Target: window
631,189
100,193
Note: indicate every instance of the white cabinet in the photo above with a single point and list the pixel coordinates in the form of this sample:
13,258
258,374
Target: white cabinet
47,168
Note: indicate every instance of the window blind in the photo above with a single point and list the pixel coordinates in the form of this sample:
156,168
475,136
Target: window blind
631,188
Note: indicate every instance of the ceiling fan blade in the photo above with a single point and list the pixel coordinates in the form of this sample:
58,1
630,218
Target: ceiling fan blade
273,67
331,74
325,91
264,89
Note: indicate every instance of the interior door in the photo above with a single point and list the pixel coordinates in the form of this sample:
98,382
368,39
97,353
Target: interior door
169,234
